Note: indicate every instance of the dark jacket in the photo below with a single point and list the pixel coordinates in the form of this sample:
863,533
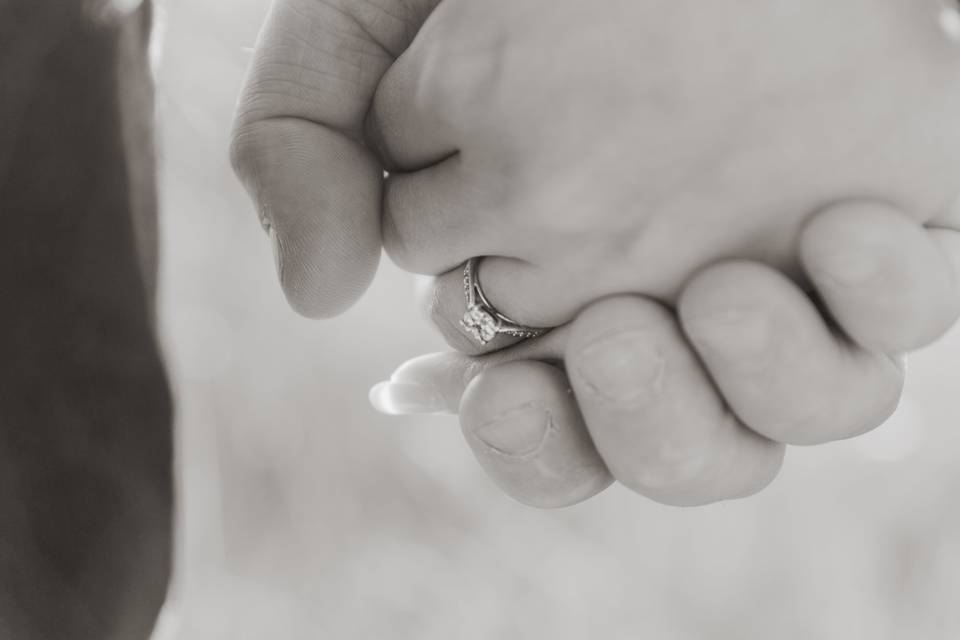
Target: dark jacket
85,411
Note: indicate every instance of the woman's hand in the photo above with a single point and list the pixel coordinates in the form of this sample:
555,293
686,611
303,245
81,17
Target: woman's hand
619,147
692,407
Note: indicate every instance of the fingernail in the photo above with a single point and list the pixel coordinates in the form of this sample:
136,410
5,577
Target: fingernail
406,398
848,269
736,336
626,368
517,433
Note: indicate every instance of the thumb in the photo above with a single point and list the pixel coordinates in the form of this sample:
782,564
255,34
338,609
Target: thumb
297,141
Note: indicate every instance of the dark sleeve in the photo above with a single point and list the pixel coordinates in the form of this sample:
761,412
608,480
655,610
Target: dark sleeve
85,410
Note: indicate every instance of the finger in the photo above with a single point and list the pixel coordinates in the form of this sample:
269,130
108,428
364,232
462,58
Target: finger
430,94
405,132
653,413
523,425
527,294
448,304
777,362
435,383
437,218
883,277
297,141
518,416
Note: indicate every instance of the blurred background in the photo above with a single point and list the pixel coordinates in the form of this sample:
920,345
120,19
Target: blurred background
306,515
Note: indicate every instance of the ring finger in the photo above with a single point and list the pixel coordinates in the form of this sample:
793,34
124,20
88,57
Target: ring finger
516,412
436,218
524,294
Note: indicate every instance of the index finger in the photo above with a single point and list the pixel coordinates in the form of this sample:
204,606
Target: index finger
297,142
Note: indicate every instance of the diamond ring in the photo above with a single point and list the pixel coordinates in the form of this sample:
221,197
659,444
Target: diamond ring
482,320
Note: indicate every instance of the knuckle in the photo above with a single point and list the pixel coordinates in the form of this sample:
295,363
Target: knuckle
623,369
537,197
459,81
621,321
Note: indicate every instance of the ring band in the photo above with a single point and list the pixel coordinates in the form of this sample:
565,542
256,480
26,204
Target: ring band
482,320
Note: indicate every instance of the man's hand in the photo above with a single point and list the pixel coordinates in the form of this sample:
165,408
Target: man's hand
672,405
298,141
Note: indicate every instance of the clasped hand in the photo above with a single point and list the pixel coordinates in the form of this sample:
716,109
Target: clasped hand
737,217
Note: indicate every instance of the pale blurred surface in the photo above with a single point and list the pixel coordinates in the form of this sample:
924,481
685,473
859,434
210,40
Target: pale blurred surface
306,515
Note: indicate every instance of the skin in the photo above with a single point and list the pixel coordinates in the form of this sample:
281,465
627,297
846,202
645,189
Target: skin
433,112
723,141
629,423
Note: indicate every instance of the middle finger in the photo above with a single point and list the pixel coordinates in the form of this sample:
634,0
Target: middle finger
653,413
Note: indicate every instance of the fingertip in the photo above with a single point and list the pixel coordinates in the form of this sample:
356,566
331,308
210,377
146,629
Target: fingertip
310,296
522,423
324,287
881,275
318,196
778,363
761,470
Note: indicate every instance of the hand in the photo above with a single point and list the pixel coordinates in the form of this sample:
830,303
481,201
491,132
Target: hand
297,145
696,132
298,141
679,421
298,135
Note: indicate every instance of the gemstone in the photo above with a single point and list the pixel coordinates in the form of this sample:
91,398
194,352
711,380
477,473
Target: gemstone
481,324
